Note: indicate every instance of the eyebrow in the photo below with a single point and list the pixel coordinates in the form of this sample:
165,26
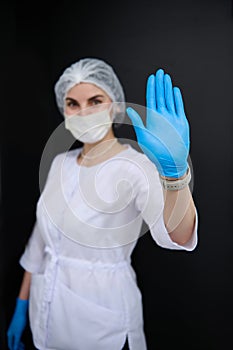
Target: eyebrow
90,99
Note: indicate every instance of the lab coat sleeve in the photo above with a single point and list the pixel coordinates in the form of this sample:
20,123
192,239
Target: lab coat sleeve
149,201
33,255
163,239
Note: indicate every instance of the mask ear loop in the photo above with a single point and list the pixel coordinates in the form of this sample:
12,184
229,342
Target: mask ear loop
117,110
112,109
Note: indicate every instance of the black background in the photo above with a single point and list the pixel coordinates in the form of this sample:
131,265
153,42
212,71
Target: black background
187,296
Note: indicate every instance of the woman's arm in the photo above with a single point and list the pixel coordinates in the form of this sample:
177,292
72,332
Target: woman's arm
165,140
25,286
179,214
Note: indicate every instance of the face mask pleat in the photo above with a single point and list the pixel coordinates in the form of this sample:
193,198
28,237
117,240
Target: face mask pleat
89,128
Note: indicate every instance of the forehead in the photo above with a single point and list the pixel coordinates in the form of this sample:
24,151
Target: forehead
85,90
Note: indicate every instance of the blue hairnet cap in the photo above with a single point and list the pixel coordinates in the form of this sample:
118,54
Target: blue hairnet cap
94,71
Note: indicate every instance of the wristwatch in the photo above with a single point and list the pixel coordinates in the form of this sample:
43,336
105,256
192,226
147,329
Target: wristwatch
176,185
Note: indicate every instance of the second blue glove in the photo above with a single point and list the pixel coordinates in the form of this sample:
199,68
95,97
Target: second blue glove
17,325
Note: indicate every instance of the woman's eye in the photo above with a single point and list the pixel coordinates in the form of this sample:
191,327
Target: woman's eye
71,104
96,102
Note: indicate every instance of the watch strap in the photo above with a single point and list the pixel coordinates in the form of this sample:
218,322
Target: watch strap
176,185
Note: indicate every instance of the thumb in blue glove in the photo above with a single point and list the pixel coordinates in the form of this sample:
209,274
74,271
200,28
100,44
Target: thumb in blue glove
17,325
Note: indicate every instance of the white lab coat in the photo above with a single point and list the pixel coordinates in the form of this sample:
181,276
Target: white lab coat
84,293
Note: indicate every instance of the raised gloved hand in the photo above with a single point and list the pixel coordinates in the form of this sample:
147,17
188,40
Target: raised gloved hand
17,325
165,138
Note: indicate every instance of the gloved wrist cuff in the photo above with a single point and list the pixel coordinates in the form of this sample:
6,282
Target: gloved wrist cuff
22,304
174,172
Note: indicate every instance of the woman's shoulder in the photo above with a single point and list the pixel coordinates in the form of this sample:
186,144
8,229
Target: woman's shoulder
137,164
70,154
134,153
62,160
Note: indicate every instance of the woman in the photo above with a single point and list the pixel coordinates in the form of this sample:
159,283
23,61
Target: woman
79,284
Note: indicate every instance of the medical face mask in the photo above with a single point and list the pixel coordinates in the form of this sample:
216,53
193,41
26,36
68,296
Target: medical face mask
89,128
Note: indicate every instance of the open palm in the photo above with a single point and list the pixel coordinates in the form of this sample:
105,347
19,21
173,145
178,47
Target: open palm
165,138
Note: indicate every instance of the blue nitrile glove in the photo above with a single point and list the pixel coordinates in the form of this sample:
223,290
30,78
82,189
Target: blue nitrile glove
165,138
17,325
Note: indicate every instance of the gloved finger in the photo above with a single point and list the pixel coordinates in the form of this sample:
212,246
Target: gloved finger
178,102
10,340
16,343
169,97
159,90
21,346
150,92
136,120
